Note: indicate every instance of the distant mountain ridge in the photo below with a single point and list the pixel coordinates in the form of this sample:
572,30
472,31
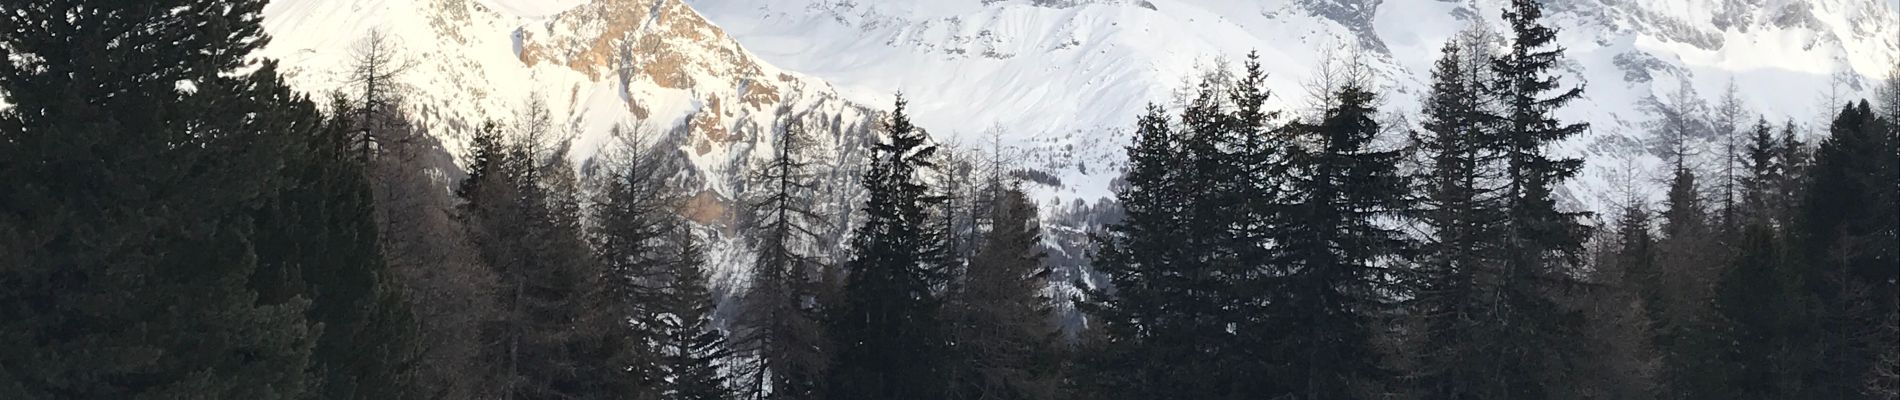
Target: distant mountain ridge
1071,73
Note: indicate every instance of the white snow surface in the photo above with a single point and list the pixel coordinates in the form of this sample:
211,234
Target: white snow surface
1071,75
596,64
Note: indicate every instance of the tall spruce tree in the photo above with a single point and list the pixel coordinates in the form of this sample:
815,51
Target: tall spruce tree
1540,244
1138,255
1333,250
634,217
1848,228
1764,166
1678,294
1459,205
523,215
318,240
133,174
1185,313
1761,306
691,348
886,328
780,322
1007,347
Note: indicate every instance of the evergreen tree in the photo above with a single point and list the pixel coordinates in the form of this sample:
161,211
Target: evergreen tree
1678,294
1138,255
1458,204
318,240
134,172
633,219
431,262
1332,251
690,346
1765,168
1761,306
1848,228
1540,244
780,321
1796,158
1186,314
886,328
524,217
1007,347
1623,363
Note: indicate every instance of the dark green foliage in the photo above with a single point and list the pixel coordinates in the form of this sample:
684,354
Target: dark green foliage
1181,319
127,226
1847,235
1622,360
1333,248
1761,306
1767,166
1540,245
690,347
1137,256
1678,292
886,326
1459,204
1006,347
319,240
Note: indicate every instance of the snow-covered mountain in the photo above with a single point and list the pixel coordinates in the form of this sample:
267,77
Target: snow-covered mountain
655,64
1066,76
1060,79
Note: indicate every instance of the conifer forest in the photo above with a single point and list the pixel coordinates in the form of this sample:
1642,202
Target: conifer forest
178,220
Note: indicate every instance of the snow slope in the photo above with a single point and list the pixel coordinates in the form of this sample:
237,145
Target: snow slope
1059,79
653,64
1066,76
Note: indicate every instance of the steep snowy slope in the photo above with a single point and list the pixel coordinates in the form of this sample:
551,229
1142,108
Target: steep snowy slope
596,64
1065,76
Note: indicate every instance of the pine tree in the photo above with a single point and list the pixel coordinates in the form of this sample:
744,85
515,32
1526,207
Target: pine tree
1623,363
691,348
132,174
634,216
1540,244
1765,168
886,328
1688,263
1007,346
780,321
1848,223
1459,205
1761,305
1333,249
524,217
1138,256
318,240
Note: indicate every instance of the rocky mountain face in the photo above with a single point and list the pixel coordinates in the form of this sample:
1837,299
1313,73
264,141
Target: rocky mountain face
654,66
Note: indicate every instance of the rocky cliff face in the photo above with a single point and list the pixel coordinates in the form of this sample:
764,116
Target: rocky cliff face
652,65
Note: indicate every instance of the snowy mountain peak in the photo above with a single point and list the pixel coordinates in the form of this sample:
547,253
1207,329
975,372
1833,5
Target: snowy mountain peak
653,65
